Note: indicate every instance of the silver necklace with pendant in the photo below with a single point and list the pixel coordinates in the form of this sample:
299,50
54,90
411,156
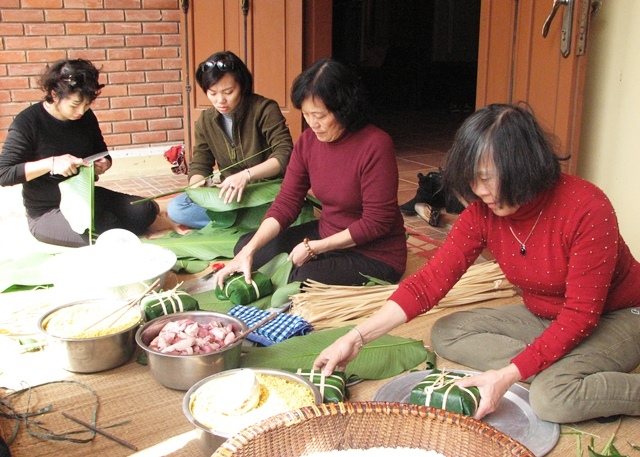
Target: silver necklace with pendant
523,244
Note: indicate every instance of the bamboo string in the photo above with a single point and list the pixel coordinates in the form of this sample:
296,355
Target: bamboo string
329,306
184,189
131,303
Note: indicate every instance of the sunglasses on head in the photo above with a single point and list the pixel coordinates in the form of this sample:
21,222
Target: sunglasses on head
72,80
222,65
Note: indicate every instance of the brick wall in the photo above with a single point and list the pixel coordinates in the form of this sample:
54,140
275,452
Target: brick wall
136,43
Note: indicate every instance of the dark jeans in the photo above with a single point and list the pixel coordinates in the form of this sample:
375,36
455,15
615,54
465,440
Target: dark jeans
342,267
111,210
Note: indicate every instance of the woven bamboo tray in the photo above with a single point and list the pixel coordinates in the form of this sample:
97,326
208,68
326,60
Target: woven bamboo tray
363,425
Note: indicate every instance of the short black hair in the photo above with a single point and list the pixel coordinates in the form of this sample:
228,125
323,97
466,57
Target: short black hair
339,88
67,77
522,152
214,68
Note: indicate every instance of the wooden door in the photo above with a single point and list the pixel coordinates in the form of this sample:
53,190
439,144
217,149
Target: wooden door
517,63
268,38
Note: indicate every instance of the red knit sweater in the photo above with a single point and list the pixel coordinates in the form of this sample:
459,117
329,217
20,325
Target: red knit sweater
356,179
576,267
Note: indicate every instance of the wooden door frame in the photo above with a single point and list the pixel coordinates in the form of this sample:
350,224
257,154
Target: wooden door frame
280,50
503,78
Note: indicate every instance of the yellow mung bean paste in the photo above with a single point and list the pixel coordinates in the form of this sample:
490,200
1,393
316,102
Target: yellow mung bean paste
277,394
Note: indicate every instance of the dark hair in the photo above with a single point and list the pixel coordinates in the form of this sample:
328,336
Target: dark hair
522,152
67,77
339,88
214,68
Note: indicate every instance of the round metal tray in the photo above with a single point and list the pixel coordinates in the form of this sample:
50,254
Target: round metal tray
514,416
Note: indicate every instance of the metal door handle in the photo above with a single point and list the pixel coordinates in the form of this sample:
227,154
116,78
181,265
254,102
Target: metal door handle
554,10
567,20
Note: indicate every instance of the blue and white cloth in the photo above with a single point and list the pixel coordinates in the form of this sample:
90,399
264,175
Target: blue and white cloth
280,328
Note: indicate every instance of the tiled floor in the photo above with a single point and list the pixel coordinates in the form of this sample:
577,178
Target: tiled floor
421,138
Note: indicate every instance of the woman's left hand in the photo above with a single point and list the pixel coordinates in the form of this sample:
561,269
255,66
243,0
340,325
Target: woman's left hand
492,384
100,166
299,255
233,186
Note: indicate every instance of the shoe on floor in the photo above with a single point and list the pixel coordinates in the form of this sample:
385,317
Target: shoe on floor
428,214
408,208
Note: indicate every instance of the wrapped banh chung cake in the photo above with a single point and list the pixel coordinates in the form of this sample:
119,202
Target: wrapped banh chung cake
438,390
168,302
239,292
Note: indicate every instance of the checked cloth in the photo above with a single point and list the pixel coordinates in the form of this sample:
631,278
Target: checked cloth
278,329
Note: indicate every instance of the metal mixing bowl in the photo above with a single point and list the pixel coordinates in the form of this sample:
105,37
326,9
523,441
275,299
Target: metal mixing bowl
180,372
110,271
209,439
91,355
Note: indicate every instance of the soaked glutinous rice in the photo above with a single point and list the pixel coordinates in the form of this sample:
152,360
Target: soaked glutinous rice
91,319
378,452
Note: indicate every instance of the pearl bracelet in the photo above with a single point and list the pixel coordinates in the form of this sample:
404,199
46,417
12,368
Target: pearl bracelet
360,335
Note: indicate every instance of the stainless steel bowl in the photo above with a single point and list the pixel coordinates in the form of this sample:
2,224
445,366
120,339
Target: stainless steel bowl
91,355
180,372
209,439
110,271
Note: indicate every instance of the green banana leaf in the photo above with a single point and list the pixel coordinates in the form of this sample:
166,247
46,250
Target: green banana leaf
281,295
29,272
224,219
249,219
256,194
213,242
382,358
207,244
76,200
190,265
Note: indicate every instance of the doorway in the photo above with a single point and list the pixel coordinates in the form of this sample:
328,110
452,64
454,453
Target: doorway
417,58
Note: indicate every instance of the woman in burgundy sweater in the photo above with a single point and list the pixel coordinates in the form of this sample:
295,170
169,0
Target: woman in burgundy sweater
350,166
576,336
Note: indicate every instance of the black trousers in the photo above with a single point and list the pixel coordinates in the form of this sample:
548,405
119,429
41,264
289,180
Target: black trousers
343,267
111,210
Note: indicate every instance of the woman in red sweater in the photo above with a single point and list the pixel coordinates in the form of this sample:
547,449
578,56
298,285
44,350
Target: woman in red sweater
350,166
576,336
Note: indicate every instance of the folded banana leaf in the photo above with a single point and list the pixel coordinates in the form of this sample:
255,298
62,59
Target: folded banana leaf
438,390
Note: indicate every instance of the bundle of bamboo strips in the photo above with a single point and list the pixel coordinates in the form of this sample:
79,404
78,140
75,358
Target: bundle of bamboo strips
326,306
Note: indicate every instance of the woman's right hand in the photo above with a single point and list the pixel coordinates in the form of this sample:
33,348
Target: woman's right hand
241,263
66,165
197,181
339,354
348,346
